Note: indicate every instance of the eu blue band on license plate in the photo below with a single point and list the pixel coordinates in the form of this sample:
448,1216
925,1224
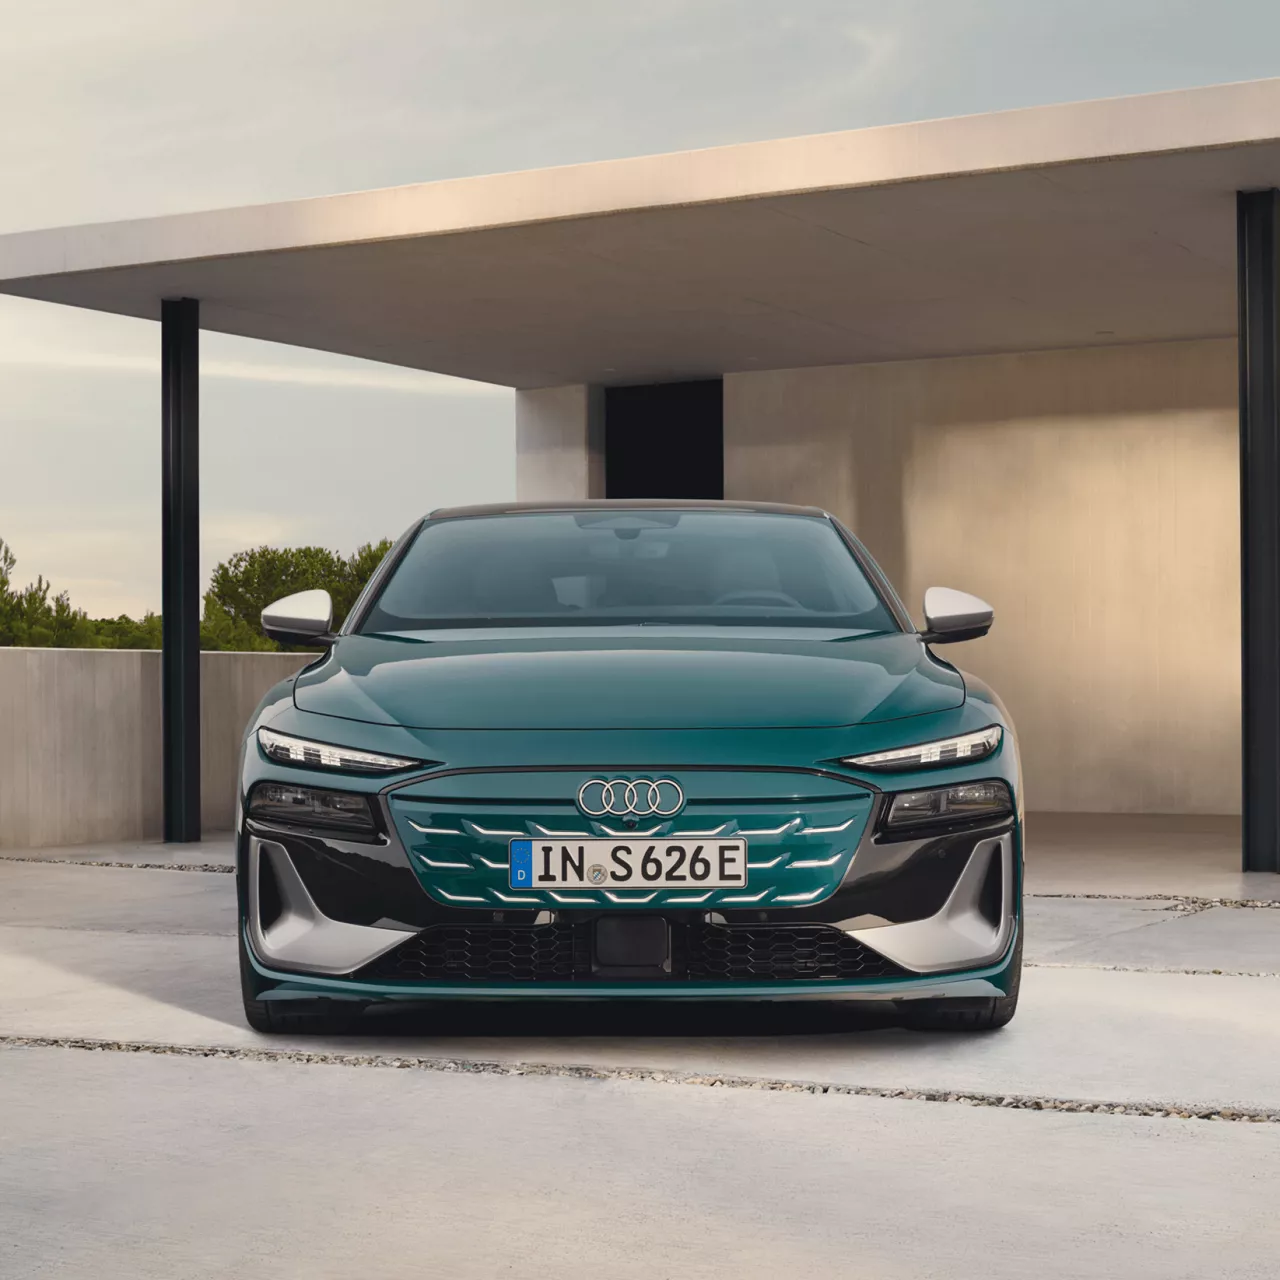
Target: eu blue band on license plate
521,864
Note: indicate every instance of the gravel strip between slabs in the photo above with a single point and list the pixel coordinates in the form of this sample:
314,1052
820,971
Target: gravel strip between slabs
1177,901
649,1075
216,867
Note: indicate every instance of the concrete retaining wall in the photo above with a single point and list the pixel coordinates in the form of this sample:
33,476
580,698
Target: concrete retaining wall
80,740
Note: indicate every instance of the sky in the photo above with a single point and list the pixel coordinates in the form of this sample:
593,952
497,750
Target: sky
143,107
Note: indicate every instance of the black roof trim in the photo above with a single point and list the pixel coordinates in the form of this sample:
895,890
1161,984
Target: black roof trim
625,504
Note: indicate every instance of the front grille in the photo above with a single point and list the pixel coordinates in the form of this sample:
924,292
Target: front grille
788,953
563,953
801,831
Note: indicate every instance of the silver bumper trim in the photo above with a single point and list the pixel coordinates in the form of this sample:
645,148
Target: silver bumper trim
302,937
959,934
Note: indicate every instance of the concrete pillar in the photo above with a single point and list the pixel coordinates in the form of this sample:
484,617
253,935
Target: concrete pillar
560,443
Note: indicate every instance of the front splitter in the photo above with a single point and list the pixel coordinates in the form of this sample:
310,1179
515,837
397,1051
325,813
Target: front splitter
971,984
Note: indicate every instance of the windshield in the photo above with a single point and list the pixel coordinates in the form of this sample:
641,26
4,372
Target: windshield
630,567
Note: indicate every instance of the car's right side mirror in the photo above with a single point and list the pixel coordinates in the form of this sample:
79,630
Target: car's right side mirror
954,615
305,617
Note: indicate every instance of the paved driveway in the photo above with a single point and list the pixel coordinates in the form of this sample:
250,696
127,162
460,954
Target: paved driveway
145,1131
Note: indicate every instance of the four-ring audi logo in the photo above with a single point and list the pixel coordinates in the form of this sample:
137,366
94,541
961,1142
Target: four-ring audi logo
643,797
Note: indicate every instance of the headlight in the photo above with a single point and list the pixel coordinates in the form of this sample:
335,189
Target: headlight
948,804
310,807
925,755
320,755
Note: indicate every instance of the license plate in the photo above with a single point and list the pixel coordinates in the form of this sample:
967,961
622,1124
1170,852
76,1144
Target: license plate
636,864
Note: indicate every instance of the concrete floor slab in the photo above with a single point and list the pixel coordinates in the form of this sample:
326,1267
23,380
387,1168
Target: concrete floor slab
216,849
1080,1033
117,899
161,1167
1234,940
1054,924
116,1163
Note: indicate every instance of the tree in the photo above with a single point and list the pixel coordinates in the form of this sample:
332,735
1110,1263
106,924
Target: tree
29,617
249,581
129,633
240,589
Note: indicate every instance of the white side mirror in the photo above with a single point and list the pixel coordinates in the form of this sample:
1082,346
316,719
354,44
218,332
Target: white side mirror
954,615
303,618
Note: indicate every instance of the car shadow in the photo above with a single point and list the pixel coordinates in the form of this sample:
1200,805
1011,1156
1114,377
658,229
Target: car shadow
196,974
624,1019
179,951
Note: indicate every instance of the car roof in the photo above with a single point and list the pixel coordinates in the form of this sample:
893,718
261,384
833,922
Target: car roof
626,504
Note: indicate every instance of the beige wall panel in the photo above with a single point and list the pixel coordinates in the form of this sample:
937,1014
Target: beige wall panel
80,741
231,686
560,443
1091,496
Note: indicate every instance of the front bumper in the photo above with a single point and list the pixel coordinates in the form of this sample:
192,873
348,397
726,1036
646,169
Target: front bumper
988,981
932,916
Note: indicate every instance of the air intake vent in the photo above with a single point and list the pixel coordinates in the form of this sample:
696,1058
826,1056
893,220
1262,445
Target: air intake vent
562,953
486,953
780,953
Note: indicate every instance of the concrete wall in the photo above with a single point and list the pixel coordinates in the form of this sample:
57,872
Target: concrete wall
1091,496
80,740
560,443
231,686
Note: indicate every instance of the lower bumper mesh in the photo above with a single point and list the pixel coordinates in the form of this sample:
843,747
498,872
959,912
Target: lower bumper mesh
487,952
563,953
783,953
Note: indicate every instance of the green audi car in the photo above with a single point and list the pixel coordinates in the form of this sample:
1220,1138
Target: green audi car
629,750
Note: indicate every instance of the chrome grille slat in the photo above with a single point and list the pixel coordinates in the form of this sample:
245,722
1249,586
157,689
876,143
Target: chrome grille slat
775,831
442,866
485,831
814,862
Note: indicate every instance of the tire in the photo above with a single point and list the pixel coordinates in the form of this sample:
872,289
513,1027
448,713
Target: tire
988,1014
300,1017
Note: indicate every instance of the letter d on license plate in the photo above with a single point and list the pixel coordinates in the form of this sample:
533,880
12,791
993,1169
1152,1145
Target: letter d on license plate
638,864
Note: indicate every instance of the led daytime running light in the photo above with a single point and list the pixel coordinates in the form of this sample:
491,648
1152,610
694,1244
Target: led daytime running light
319,755
928,755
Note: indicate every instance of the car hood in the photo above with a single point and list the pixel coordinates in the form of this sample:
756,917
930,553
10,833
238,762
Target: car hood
639,679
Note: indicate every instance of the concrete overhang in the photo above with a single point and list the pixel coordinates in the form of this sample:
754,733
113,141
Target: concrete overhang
1077,225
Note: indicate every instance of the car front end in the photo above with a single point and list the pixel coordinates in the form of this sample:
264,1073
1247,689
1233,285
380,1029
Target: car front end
630,813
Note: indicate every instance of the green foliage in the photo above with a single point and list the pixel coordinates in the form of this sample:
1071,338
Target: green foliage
29,617
244,585
128,633
238,592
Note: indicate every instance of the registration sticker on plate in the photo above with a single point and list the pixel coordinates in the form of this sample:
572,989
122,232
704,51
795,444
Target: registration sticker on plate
639,864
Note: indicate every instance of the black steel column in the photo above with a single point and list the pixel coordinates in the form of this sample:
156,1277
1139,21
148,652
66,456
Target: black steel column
1258,254
180,565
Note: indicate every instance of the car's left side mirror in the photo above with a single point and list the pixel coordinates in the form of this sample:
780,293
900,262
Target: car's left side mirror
303,618
954,615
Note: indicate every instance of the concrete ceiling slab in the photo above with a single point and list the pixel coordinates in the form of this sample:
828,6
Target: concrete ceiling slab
1090,223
